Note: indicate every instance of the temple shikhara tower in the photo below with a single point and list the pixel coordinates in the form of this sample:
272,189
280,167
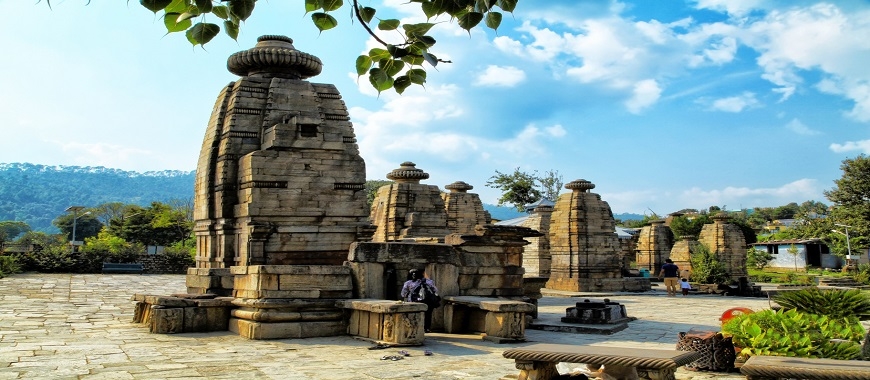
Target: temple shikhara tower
654,246
279,177
727,242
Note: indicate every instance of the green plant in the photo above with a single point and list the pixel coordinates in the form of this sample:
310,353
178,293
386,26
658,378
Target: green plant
794,333
8,265
834,303
55,258
706,267
757,258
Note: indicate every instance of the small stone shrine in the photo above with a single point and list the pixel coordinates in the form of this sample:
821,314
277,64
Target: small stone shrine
596,312
407,209
536,256
584,248
464,210
727,242
681,254
654,246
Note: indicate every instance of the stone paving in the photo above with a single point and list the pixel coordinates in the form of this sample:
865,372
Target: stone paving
77,326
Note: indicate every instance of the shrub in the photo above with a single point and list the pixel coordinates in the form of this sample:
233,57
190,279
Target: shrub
55,258
8,265
177,258
756,258
706,267
794,333
834,303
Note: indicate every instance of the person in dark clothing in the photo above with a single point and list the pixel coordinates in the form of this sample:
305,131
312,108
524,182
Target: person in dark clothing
417,279
671,274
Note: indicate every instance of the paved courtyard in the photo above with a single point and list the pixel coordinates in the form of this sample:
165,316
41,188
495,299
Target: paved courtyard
78,326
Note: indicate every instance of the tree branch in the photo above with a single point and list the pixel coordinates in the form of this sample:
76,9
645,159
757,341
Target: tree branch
369,30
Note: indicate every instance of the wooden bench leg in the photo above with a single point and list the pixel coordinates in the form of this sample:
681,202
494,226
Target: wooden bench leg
532,370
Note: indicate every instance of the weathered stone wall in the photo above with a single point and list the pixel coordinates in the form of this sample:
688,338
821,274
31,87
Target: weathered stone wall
681,253
654,246
464,210
536,255
727,241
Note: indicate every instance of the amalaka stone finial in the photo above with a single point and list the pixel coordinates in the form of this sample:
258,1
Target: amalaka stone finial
458,187
720,217
276,56
407,173
657,221
580,185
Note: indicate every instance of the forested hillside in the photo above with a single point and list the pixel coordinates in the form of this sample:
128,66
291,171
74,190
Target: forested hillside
36,194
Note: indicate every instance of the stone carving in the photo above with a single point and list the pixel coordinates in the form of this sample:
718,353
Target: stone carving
727,241
464,209
279,175
654,246
407,209
594,312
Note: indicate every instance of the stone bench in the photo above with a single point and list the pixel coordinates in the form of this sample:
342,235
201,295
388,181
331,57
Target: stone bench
395,323
123,268
500,320
538,361
775,367
182,313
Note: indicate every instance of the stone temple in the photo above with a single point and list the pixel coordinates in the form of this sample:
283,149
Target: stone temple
279,177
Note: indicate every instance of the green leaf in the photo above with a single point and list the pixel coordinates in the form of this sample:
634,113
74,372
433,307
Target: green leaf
396,52
231,29
426,40
177,6
155,5
469,20
242,8
417,76
401,83
378,54
391,66
431,10
363,64
431,58
324,21
413,59
186,16
390,24
507,5
415,30
221,11
172,25
312,5
367,14
380,80
202,33
204,6
493,20
330,5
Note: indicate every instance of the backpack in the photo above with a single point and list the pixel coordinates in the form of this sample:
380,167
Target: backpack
423,293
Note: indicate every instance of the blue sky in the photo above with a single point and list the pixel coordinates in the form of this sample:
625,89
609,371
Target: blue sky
664,105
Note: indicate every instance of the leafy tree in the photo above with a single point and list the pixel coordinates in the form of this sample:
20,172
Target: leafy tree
158,224
551,184
684,226
10,229
757,258
372,187
396,64
851,198
86,225
792,250
518,188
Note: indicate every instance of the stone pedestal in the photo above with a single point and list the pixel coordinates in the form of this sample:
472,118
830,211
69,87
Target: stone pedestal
386,322
218,281
500,320
594,312
289,301
182,313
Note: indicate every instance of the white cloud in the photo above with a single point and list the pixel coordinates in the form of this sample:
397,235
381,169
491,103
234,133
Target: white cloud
732,7
750,197
644,94
862,146
498,76
736,103
800,128
556,131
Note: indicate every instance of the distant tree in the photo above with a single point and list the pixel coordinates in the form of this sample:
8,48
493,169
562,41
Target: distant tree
757,258
851,198
372,187
158,224
108,211
551,184
86,225
789,211
10,229
518,189
683,225
792,250
811,209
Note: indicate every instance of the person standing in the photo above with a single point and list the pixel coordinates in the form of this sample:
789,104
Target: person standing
411,291
671,274
685,286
